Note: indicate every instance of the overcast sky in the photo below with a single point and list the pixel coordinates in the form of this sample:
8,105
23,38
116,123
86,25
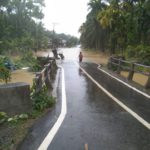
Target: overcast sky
68,15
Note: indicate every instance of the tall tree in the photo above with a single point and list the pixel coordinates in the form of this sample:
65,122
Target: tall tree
113,19
19,22
91,32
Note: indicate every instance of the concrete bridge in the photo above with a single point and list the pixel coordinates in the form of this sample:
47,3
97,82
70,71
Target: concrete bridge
95,110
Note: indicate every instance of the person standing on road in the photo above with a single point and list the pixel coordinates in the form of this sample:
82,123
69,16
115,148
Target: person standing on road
80,57
54,50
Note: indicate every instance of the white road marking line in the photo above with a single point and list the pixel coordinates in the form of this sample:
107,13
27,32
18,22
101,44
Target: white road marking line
146,95
48,139
135,115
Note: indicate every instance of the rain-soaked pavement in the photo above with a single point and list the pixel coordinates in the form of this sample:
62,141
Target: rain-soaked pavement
93,120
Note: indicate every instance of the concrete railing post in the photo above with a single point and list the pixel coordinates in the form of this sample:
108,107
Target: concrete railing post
119,66
147,85
53,69
47,77
110,63
131,72
38,82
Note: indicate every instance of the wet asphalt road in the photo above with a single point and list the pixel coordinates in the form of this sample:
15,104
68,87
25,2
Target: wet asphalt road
92,118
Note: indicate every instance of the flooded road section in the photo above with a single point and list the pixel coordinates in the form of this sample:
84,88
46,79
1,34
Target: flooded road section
93,121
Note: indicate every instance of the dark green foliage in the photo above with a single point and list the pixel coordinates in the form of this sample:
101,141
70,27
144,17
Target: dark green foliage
19,30
121,23
92,33
35,67
140,52
5,74
112,66
28,60
3,117
21,27
41,100
12,120
61,40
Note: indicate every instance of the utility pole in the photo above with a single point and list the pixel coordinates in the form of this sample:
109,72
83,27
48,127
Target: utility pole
54,24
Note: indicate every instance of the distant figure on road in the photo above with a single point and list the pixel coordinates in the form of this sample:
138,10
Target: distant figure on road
55,53
61,56
80,57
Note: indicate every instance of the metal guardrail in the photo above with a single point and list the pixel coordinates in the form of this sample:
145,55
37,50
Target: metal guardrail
44,77
131,67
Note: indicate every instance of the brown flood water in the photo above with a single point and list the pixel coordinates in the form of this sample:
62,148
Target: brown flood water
21,76
72,54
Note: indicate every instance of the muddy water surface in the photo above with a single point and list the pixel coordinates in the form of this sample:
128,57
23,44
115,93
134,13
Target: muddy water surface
71,54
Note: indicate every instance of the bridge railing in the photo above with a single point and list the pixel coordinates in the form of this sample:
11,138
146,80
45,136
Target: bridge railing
45,76
131,68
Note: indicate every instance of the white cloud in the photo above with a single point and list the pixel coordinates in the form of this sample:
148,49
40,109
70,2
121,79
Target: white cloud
69,14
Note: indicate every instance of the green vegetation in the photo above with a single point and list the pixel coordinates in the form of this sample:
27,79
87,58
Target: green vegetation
118,26
16,127
5,74
62,40
19,124
140,52
21,26
22,29
14,124
28,60
41,100
5,118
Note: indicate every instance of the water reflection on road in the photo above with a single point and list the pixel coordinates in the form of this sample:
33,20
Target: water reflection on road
92,117
71,53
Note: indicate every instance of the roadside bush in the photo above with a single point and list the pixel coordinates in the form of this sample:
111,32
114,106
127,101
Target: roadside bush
131,51
144,55
3,117
35,67
17,118
41,100
140,53
28,60
5,74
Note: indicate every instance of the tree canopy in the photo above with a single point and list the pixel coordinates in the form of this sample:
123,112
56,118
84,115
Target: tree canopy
116,25
21,26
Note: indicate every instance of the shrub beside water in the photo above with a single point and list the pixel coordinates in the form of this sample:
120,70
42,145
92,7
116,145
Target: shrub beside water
140,53
28,60
5,74
41,100
19,124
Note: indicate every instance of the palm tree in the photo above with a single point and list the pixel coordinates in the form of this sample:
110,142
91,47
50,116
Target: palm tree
91,31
